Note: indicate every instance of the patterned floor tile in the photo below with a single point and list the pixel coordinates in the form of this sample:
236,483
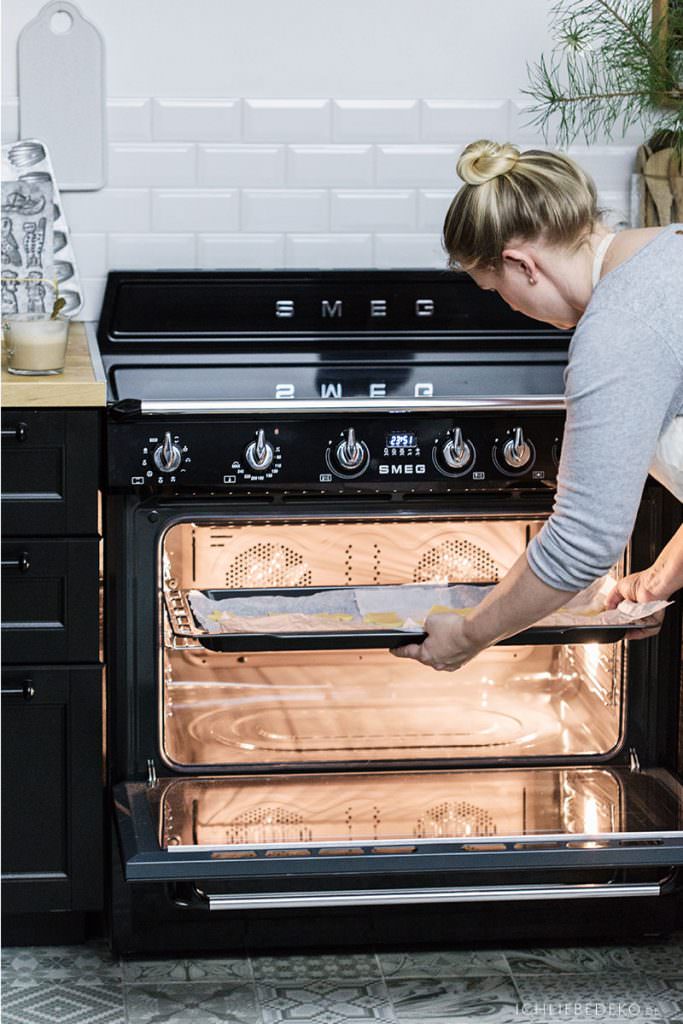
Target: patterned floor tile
306,968
657,958
618,995
324,1002
63,1002
56,963
135,971
219,969
191,1003
493,999
458,963
208,969
568,960
669,994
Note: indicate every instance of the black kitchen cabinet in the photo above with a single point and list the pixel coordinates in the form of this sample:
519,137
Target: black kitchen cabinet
49,464
50,599
51,789
52,735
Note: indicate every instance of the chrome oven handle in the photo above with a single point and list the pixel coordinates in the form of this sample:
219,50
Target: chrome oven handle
508,403
385,897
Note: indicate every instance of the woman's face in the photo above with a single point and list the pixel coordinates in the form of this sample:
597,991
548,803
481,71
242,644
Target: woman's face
527,289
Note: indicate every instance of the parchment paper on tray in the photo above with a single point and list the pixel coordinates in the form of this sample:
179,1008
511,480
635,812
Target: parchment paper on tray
403,608
321,611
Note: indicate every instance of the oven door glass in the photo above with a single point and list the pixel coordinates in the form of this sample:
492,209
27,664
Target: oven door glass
308,708
324,824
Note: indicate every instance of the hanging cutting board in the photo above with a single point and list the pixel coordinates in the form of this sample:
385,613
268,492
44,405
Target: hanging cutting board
61,93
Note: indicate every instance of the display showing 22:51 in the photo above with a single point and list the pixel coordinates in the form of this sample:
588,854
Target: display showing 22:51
404,440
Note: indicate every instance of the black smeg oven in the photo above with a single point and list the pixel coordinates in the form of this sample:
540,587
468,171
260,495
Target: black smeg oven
273,431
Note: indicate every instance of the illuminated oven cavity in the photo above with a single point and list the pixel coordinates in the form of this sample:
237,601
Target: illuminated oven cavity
336,707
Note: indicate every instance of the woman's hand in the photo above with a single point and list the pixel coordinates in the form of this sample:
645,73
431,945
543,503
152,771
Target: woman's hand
447,646
639,586
656,583
646,585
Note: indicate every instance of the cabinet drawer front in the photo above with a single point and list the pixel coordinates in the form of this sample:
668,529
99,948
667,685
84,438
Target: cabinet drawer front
51,788
50,474
50,600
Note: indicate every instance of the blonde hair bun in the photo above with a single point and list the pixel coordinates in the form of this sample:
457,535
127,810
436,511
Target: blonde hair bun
484,160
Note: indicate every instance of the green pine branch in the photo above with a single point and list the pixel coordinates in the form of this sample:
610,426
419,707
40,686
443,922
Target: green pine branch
610,67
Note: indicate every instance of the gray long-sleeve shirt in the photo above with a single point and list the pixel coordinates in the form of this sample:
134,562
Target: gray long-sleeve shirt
623,386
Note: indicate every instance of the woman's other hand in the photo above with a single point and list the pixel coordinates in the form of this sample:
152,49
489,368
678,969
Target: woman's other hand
657,583
640,587
447,646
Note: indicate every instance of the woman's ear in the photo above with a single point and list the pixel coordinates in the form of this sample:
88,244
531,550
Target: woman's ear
520,260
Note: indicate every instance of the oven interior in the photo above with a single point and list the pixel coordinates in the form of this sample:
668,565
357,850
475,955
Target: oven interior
342,708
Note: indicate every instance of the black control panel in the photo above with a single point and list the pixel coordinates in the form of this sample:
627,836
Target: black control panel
342,453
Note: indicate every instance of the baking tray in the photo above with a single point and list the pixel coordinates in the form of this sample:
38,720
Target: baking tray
376,638
26,164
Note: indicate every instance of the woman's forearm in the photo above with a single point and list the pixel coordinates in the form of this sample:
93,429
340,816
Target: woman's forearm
519,600
665,575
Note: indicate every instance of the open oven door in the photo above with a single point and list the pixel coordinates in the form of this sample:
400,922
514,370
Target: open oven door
315,839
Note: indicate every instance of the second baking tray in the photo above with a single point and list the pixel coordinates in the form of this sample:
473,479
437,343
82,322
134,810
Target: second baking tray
374,638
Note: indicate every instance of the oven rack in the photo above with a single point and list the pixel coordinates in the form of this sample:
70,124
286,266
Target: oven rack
187,631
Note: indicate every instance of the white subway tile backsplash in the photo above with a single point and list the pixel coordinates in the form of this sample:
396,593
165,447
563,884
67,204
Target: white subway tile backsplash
154,163
111,209
10,121
93,293
329,251
417,166
298,183
195,210
394,251
152,251
376,121
285,210
240,250
91,254
525,134
197,120
432,206
609,166
129,120
311,166
245,166
528,135
287,120
464,120
373,210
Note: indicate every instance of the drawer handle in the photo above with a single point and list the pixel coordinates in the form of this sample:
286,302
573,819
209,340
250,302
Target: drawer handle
194,897
26,691
19,433
22,563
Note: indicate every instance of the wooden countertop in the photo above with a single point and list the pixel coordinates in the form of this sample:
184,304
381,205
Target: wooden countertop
79,385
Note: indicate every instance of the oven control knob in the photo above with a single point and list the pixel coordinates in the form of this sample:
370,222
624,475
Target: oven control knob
517,452
456,452
259,453
167,456
350,457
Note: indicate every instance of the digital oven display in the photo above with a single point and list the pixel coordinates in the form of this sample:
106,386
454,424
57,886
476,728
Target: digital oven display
404,440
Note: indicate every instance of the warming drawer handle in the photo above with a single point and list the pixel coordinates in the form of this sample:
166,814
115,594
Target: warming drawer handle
22,563
379,897
26,691
18,433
